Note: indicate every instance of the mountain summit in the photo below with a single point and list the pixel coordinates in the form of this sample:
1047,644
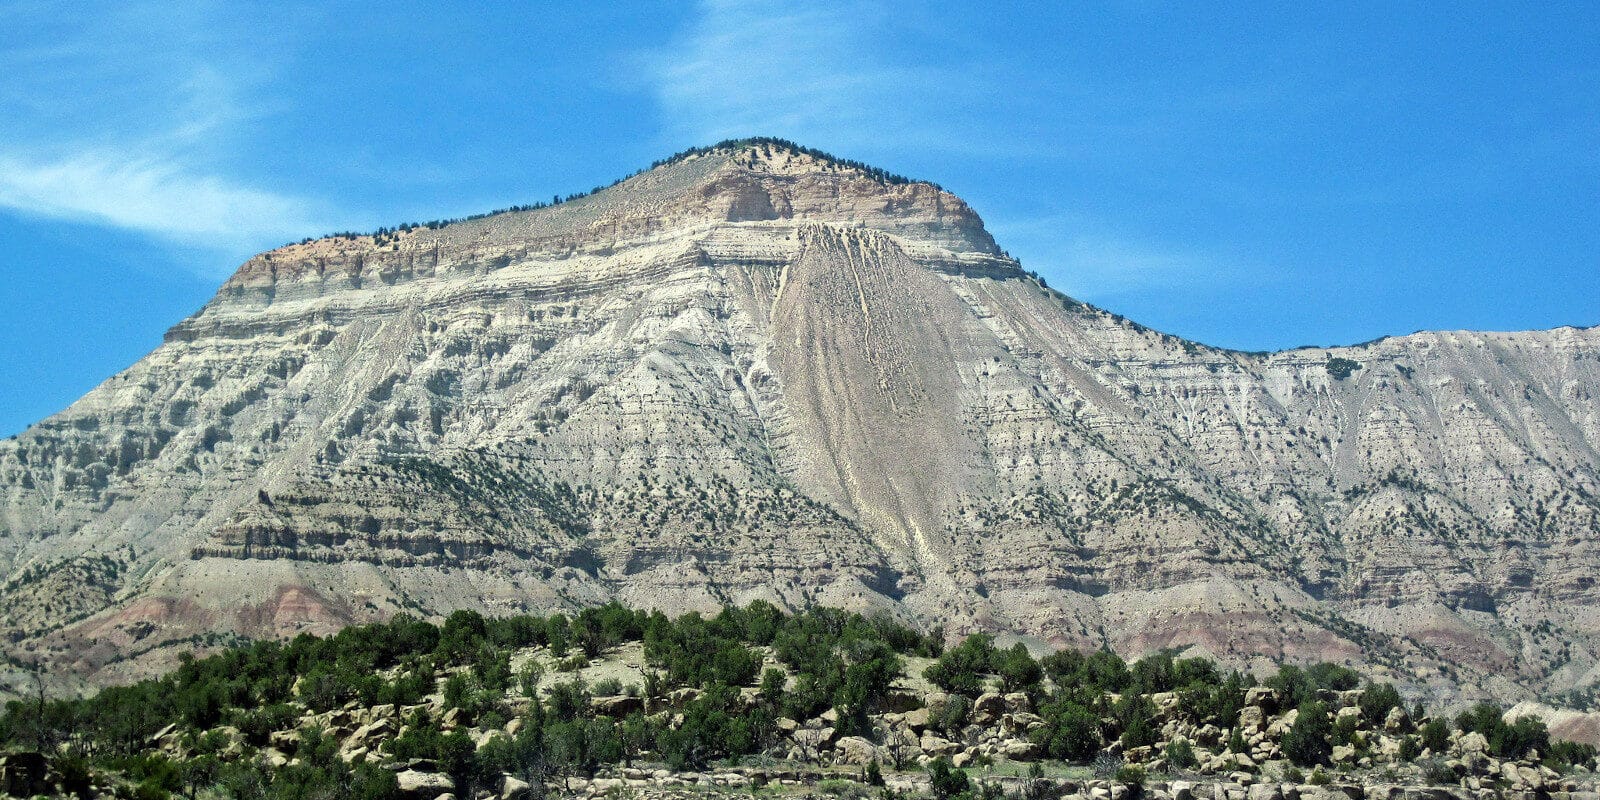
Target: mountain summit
755,371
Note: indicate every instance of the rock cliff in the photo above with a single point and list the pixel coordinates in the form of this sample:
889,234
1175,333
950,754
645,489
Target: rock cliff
757,372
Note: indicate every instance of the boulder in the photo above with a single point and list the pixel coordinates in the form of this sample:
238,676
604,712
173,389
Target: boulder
988,708
1022,722
916,719
513,788
426,785
814,738
938,746
615,706
1251,718
854,750
1264,791
1261,697
1020,750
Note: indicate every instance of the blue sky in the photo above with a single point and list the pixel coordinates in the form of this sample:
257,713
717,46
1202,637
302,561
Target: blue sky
1260,175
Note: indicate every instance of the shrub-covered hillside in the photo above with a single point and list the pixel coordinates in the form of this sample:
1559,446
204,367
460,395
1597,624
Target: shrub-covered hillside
621,700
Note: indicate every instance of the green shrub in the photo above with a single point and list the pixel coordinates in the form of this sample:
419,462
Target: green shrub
1564,754
951,717
1410,748
1306,742
1435,736
1341,368
1131,775
960,670
945,781
1435,772
568,701
1180,754
840,787
1377,700
528,677
772,683
1018,671
1069,733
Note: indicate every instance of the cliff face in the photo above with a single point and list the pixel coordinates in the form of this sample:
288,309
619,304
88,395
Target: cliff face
758,373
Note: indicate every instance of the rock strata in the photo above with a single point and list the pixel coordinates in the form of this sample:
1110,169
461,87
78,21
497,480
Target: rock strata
755,372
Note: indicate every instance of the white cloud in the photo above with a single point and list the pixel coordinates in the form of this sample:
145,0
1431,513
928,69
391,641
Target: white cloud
152,195
133,116
1086,260
811,72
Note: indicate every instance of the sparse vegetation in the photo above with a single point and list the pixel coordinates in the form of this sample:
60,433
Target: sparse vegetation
1341,368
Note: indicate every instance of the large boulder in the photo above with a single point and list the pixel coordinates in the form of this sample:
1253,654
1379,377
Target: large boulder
988,708
424,785
615,706
1251,718
813,738
854,750
514,788
938,746
1261,697
1020,750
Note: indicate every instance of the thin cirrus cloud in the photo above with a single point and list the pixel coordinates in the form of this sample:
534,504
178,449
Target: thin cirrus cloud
1093,263
816,73
150,194
130,118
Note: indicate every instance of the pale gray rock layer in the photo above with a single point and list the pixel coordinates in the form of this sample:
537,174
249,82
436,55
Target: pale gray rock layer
756,373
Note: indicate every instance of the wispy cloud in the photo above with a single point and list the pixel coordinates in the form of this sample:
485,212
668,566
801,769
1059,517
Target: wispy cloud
131,117
1088,261
152,194
813,72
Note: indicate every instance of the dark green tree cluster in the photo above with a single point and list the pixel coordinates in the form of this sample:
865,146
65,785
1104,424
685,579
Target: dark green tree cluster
1506,739
1080,719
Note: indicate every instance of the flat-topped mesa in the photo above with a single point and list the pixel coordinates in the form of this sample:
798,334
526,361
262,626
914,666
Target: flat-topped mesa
759,182
757,372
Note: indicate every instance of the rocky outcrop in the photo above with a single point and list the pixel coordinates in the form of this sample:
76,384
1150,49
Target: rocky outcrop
755,372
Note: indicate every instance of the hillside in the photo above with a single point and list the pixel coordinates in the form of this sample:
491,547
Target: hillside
756,372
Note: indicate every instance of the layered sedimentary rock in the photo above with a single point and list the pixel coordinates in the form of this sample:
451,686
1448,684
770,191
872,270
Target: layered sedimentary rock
755,372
